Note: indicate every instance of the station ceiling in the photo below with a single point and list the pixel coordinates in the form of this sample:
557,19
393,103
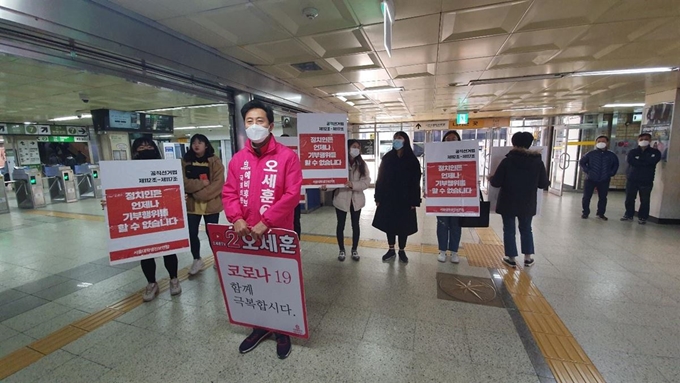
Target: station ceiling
437,43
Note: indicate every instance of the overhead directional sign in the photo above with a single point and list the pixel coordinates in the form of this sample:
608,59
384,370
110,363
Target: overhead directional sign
475,123
42,130
431,125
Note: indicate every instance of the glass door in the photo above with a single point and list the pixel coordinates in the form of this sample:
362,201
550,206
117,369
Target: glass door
560,160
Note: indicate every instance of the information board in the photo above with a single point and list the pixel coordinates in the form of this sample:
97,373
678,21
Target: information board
452,181
262,279
323,149
145,209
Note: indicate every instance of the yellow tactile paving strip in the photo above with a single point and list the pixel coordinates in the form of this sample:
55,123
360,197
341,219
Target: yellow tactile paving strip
567,360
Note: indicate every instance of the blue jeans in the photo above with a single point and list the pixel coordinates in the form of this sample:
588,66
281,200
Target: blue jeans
448,233
527,237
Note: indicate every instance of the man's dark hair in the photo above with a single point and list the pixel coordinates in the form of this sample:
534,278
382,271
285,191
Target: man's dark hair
257,104
645,135
522,139
605,137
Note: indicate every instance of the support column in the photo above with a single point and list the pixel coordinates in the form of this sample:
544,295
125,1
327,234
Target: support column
665,201
238,133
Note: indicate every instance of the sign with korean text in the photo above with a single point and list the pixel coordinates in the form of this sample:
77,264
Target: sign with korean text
29,153
145,209
42,130
262,279
323,149
431,125
452,178
292,143
477,123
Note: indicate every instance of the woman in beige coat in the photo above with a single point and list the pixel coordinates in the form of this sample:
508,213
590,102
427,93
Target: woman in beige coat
351,199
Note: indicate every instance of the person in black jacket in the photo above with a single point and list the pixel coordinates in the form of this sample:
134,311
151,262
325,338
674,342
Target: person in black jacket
397,195
599,165
518,176
641,171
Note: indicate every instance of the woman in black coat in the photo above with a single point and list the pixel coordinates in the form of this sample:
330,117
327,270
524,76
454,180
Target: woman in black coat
397,195
518,176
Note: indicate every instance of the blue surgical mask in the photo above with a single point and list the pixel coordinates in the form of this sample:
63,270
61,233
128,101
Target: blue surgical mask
398,144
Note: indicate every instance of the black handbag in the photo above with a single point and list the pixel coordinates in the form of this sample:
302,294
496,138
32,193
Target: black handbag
483,219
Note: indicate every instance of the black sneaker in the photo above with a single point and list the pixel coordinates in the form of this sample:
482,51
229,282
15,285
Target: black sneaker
254,339
625,218
389,255
510,262
283,346
584,216
602,217
642,221
402,256
528,262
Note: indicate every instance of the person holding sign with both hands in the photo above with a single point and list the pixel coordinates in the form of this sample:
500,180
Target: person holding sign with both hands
261,192
351,199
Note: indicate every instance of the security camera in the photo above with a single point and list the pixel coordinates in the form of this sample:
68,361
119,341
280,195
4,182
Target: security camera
79,115
84,98
310,13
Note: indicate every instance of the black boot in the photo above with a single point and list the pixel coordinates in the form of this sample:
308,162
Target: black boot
389,255
402,256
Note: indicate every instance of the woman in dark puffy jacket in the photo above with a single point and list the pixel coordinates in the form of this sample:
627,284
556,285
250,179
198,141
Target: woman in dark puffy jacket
397,195
518,176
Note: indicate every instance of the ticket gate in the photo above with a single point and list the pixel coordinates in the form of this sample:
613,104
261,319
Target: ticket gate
28,187
4,202
62,183
89,184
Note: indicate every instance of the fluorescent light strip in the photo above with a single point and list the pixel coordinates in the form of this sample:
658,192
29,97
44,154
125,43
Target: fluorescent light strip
629,105
369,91
69,118
525,109
183,107
623,71
199,127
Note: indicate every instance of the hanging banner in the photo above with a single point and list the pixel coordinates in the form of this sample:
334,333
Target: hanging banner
262,279
323,149
498,153
292,143
452,178
145,209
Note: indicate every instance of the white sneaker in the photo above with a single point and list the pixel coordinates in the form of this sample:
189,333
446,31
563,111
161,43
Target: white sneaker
355,255
175,288
341,256
196,267
442,256
150,292
454,258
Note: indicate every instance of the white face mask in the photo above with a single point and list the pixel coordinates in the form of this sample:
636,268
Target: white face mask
644,143
601,145
257,134
354,152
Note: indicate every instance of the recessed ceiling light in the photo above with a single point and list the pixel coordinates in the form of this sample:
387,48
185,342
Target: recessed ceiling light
369,91
624,105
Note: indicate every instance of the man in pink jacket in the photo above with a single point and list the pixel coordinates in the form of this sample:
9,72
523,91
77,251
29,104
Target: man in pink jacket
261,192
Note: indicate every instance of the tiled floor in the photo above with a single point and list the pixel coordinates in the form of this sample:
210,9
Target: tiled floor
615,285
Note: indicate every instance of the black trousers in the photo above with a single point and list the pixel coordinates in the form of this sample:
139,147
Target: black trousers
602,191
297,227
149,267
340,231
391,240
194,221
634,188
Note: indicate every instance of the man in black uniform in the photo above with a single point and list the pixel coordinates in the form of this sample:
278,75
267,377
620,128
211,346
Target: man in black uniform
641,170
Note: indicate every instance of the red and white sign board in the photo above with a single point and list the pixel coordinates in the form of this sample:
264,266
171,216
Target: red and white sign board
452,178
498,153
323,149
145,209
262,280
293,143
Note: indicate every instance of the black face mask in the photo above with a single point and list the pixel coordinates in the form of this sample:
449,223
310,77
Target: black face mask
148,154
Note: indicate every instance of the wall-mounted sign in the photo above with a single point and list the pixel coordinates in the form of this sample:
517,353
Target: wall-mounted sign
61,139
462,118
431,125
116,120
